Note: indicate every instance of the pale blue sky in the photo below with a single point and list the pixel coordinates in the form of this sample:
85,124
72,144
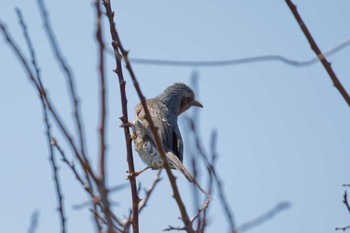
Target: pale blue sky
283,131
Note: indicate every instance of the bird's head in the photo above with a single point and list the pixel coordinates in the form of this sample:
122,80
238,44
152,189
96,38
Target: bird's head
179,98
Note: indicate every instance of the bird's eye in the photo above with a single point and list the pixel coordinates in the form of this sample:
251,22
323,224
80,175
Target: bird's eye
184,101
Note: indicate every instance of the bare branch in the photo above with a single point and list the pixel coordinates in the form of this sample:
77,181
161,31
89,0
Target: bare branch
149,191
342,228
103,110
345,201
228,212
71,166
47,124
171,228
64,66
205,206
102,183
125,119
264,217
97,216
118,45
33,222
318,52
72,90
238,61
200,210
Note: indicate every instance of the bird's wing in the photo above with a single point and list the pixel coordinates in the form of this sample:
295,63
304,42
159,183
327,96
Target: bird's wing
168,132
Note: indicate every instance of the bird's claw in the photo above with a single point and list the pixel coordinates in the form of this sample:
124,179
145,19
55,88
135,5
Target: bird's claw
131,175
133,136
128,124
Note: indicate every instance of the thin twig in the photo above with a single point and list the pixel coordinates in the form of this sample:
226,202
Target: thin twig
47,124
200,210
33,222
342,228
228,211
318,52
345,201
42,92
95,199
103,100
70,79
125,119
238,61
78,177
213,153
149,191
72,90
84,161
52,110
118,45
70,165
98,216
264,217
195,191
102,183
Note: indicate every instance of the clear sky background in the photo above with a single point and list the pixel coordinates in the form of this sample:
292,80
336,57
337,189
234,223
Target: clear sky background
283,132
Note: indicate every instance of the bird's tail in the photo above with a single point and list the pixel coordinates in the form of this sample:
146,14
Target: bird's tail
178,165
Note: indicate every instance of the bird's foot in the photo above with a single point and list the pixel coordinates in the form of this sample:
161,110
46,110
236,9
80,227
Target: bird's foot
133,136
128,124
131,125
132,175
135,174
131,220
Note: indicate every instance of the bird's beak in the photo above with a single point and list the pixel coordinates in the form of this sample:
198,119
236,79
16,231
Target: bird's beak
197,104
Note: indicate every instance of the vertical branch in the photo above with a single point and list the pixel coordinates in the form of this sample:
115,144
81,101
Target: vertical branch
102,182
125,119
41,91
102,90
70,80
318,52
47,124
124,54
68,74
212,170
264,217
33,222
213,145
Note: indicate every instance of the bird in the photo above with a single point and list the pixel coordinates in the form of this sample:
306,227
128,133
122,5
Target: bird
164,110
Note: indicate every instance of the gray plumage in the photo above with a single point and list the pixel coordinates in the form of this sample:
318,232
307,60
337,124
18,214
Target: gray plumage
164,110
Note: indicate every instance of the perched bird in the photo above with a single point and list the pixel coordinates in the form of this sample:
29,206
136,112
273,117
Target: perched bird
164,110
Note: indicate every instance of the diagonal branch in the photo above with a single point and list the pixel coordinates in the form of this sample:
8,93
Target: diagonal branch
342,228
264,217
149,191
345,201
118,45
318,52
125,119
200,210
238,61
95,199
71,84
212,171
56,179
41,91
67,72
33,222
102,182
